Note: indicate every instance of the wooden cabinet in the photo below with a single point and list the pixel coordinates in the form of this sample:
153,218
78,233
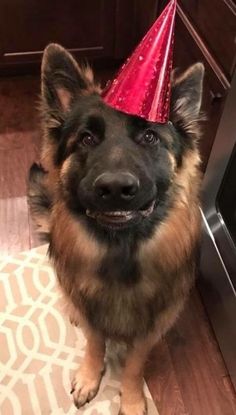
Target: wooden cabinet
188,50
27,26
215,21
88,28
108,30
206,32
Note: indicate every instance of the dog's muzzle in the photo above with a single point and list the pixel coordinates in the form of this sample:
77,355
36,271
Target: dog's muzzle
116,195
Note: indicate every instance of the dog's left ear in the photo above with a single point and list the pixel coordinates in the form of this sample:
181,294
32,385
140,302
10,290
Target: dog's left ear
62,80
186,99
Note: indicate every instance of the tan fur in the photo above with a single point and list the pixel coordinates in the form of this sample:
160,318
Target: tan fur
132,399
65,166
87,379
79,245
185,112
87,73
172,162
40,222
65,98
47,157
76,240
71,311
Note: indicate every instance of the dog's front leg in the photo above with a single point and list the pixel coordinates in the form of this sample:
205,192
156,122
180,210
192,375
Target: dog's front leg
132,396
87,379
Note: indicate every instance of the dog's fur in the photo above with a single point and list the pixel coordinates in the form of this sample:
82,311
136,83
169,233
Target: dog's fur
125,283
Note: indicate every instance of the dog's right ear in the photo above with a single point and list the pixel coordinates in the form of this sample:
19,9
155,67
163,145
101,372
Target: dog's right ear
186,99
62,80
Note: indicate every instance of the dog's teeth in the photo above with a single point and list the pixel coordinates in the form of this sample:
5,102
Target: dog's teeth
90,213
117,213
148,211
120,213
110,213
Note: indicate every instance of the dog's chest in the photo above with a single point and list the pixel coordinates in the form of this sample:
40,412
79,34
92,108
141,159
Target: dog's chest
120,299
117,294
120,266
119,310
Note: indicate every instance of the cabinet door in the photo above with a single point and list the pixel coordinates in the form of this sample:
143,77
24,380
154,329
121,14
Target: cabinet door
133,20
189,50
216,23
27,26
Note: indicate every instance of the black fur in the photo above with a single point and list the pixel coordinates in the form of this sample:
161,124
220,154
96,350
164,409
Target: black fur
126,271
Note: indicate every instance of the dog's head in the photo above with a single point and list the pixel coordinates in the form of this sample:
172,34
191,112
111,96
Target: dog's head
115,170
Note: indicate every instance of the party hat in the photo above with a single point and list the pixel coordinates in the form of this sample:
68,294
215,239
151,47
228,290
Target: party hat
142,86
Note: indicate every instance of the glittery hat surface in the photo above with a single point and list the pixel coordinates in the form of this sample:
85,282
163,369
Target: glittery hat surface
142,86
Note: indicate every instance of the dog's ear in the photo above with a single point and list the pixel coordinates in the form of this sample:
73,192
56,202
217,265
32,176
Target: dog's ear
186,99
62,80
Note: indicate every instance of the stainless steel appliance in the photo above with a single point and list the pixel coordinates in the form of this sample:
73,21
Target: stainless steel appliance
218,252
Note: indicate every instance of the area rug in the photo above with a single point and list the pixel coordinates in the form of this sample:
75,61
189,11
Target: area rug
39,348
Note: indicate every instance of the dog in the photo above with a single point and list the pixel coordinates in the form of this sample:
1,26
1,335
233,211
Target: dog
118,198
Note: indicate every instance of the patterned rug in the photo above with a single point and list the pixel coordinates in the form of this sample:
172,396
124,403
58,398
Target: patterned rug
39,349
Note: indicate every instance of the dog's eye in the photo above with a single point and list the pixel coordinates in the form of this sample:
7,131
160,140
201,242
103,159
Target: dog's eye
89,139
150,137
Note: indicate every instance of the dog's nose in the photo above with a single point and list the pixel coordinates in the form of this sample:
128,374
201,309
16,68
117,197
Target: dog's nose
122,186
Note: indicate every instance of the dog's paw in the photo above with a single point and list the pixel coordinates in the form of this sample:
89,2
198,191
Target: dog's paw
137,408
84,386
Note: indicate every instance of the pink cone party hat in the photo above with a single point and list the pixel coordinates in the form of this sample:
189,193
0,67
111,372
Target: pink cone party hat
142,86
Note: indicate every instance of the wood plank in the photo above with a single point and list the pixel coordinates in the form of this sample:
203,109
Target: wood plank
162,382
198,364
19,140
14,228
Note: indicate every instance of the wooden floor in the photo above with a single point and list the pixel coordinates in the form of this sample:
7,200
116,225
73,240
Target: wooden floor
185,373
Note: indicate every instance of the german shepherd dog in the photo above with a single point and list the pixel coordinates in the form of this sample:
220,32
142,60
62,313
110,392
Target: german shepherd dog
118,197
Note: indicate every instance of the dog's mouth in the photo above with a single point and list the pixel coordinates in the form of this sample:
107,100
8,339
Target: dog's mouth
121,218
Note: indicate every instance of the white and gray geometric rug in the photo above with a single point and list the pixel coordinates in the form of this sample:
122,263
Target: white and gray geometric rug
39,348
